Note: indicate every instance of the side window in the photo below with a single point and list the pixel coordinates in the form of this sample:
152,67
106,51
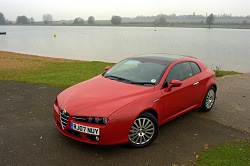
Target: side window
195,68
180,71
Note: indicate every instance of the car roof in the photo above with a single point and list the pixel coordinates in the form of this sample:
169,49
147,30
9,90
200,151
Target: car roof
161,58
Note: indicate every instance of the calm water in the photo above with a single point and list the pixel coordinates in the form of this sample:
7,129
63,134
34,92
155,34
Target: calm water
227,48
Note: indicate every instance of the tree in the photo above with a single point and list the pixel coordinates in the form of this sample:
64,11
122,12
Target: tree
47,19
244,22
32,20
2,19
210,20
91,20
162,20
116,20
157,22
22,20
78,21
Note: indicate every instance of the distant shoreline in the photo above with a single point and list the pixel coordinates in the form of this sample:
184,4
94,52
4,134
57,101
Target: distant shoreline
172,25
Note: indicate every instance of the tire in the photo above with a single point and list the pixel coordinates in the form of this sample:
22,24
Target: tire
143,131
208,100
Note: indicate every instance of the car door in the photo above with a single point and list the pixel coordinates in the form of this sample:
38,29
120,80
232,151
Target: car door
181,99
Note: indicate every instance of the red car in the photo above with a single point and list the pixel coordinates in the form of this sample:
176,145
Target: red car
128,102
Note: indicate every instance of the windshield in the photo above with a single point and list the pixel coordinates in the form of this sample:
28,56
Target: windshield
136,72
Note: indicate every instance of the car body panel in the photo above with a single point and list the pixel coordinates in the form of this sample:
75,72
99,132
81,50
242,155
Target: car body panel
80,99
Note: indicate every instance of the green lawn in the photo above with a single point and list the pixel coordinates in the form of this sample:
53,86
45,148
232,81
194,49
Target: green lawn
221,73
227,154
61,74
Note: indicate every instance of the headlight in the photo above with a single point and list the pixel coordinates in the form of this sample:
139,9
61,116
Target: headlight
105,120
97,120
90,119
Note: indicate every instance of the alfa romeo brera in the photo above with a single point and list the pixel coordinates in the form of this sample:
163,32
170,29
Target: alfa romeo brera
128,102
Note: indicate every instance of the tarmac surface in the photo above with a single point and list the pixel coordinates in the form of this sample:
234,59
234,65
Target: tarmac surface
28,135
232,106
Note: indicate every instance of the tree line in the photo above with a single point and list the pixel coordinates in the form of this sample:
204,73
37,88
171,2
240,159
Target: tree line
48,19
191,16
160,20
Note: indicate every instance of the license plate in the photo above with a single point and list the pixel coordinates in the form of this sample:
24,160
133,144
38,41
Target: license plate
84,129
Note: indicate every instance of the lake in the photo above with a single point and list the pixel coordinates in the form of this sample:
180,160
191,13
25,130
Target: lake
228,49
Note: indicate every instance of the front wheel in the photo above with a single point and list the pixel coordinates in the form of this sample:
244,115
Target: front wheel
208,100
143,131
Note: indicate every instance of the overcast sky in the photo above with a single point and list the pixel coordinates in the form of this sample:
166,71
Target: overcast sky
104,9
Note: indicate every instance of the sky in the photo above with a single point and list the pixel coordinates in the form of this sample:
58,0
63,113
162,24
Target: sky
105,9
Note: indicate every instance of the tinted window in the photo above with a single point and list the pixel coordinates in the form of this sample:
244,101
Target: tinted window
180,72
195,68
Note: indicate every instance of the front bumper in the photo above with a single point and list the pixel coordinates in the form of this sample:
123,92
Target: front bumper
114,132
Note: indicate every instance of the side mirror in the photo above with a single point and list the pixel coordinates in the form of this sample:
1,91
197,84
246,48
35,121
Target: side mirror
107,68
173,83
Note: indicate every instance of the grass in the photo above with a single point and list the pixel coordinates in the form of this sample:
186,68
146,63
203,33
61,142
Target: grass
221,73
227,154
64,74
54,72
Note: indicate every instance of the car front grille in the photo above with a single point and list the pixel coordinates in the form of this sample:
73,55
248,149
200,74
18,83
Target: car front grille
64,116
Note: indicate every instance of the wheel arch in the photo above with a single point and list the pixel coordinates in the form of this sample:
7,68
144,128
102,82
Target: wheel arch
151,111
215,87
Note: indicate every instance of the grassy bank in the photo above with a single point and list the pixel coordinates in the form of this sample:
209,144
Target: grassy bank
221,73
237,153
53,71
47,71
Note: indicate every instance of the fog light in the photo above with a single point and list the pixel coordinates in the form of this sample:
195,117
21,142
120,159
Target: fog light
97,138
105,120
97,120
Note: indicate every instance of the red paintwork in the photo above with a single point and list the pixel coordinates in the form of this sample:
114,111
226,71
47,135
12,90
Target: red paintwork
122,103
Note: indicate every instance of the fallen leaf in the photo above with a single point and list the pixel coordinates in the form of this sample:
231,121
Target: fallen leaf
196,156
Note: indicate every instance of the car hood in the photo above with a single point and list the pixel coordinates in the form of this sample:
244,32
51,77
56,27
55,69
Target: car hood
100,97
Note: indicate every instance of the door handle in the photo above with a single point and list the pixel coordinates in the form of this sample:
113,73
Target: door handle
195,84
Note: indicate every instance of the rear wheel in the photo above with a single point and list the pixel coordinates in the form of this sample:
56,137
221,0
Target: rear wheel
208,100
143,131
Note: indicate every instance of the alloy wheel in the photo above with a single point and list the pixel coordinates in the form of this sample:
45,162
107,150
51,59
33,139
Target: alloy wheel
142,131
210,98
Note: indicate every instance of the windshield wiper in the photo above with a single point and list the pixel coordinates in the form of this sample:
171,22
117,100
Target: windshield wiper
142,83
112,77
117,78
